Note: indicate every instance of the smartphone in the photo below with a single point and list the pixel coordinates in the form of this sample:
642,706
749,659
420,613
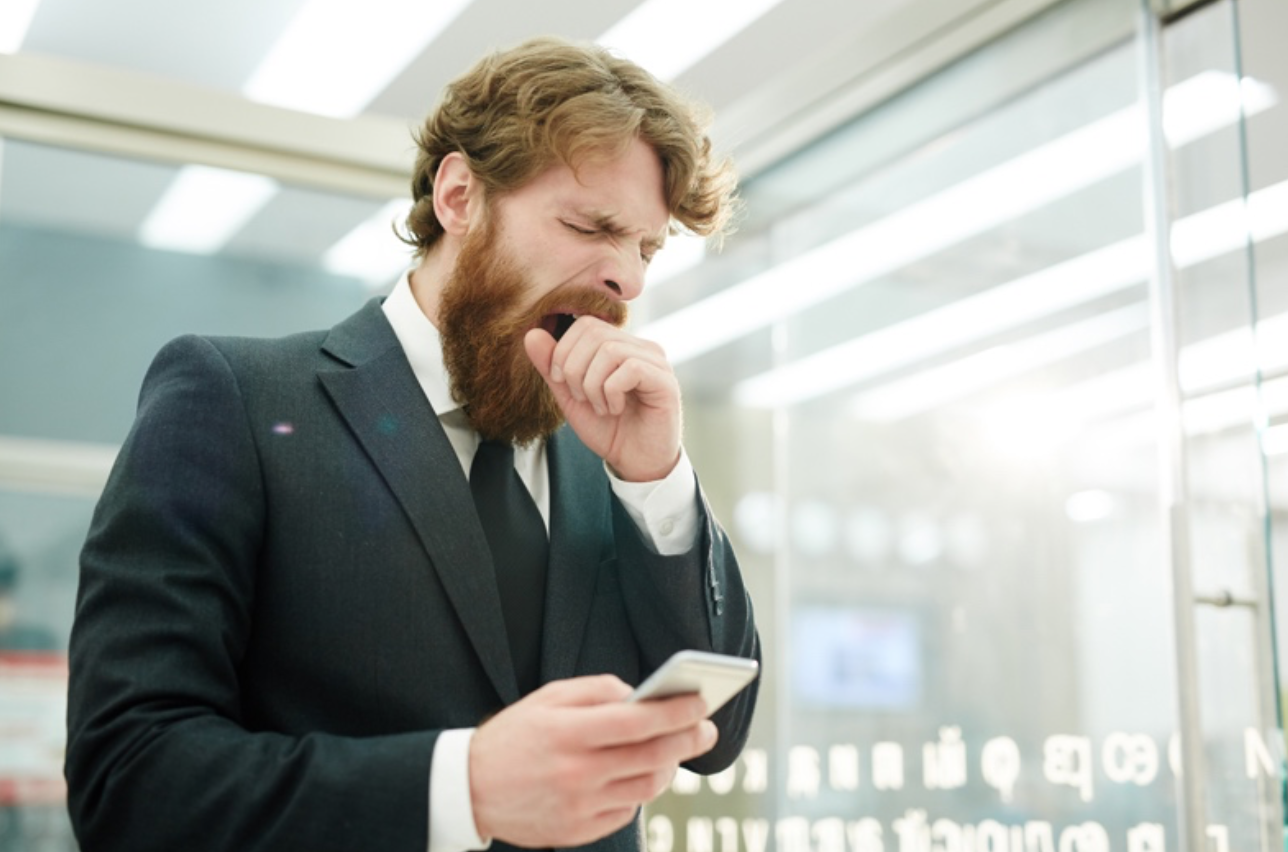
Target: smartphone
716,677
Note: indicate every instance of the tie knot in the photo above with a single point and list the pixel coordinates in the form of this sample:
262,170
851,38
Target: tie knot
492,457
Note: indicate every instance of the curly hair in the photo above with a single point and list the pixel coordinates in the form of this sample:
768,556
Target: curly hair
519,111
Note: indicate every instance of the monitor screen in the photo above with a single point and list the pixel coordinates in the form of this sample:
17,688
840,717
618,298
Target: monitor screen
853,656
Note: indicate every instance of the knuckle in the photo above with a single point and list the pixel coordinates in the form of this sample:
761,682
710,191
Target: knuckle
566,776
658,752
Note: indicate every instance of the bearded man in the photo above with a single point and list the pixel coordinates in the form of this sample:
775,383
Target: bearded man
386,586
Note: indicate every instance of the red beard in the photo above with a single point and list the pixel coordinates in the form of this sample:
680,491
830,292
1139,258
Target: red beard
482,322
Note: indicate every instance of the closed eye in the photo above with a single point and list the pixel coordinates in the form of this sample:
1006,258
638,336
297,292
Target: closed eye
580,230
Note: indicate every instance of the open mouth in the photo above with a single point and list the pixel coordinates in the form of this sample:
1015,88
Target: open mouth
558,324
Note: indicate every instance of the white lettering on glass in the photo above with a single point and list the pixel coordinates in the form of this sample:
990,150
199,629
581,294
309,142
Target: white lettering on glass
755,770
1068,761
722,783
701,835
944,762
843,767
1130,758
913,833
866,835
802,773
1088,837
1257,753
727,828
660,834
887,766
686,783
755,834
793,834
829,835
1000,765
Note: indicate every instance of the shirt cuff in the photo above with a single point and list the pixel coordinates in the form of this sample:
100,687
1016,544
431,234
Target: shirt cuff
665,510
451,811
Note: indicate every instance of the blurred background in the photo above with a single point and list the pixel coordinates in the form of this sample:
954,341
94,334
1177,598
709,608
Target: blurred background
990,388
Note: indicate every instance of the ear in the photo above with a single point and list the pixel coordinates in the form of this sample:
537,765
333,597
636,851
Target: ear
456,194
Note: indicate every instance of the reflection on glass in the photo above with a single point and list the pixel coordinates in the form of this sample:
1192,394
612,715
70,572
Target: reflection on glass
959,527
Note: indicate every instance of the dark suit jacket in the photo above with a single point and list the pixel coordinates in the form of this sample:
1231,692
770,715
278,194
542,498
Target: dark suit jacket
286,594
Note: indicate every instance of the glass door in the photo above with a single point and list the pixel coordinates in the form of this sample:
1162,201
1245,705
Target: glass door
990,384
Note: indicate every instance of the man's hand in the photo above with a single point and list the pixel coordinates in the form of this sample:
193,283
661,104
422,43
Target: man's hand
572,762
618,392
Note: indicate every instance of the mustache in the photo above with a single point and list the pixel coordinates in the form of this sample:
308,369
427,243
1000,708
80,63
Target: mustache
575,300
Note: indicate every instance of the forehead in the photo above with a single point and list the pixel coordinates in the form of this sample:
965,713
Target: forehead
626,192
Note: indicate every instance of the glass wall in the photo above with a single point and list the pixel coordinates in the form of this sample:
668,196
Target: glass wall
991,381
92,283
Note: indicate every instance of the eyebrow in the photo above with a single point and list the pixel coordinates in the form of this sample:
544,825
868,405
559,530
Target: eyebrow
607,223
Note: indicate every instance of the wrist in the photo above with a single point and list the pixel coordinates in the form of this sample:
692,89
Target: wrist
482,826
644,472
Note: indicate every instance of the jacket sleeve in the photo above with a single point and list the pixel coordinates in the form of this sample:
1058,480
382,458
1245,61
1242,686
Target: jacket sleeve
695,600
157,755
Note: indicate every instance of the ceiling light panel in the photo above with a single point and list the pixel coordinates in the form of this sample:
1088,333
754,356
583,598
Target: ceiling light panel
15,20
1195,239
669,36
371,252
938,386
203,208
980,203
337,55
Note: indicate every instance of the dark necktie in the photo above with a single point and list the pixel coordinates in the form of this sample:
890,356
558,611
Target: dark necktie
516,535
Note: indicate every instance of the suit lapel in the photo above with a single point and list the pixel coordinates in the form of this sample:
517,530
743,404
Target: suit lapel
579,506
385,408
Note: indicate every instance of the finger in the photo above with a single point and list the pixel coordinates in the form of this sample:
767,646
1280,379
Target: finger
647,383
540,347
572,358
608,359
608,821
621,724
584,691
639,789
661,754
587,340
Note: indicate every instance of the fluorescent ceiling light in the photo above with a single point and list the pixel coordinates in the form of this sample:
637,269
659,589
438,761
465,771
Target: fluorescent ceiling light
203,208
1006,306
338,55
1218,361
681,252
669,36
1093,505
978,204
935,387
15,20
1197,238
371,251
1236,407
1274,441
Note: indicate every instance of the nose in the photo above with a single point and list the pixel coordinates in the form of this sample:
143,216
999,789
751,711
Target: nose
623,273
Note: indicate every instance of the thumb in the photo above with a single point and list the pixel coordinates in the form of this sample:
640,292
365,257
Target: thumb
583,691
540,347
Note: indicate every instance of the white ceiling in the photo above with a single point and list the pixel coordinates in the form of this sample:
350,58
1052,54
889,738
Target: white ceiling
219,45
768,83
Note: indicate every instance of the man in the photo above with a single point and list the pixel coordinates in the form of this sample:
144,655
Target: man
298,625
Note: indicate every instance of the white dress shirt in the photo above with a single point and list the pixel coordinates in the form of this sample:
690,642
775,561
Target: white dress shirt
665,512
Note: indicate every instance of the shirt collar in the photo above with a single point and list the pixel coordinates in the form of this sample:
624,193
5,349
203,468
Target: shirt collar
421,342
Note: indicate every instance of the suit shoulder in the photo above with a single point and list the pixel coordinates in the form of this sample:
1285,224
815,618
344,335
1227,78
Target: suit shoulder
239,354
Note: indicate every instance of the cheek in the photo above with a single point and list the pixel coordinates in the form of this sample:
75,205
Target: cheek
559,262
